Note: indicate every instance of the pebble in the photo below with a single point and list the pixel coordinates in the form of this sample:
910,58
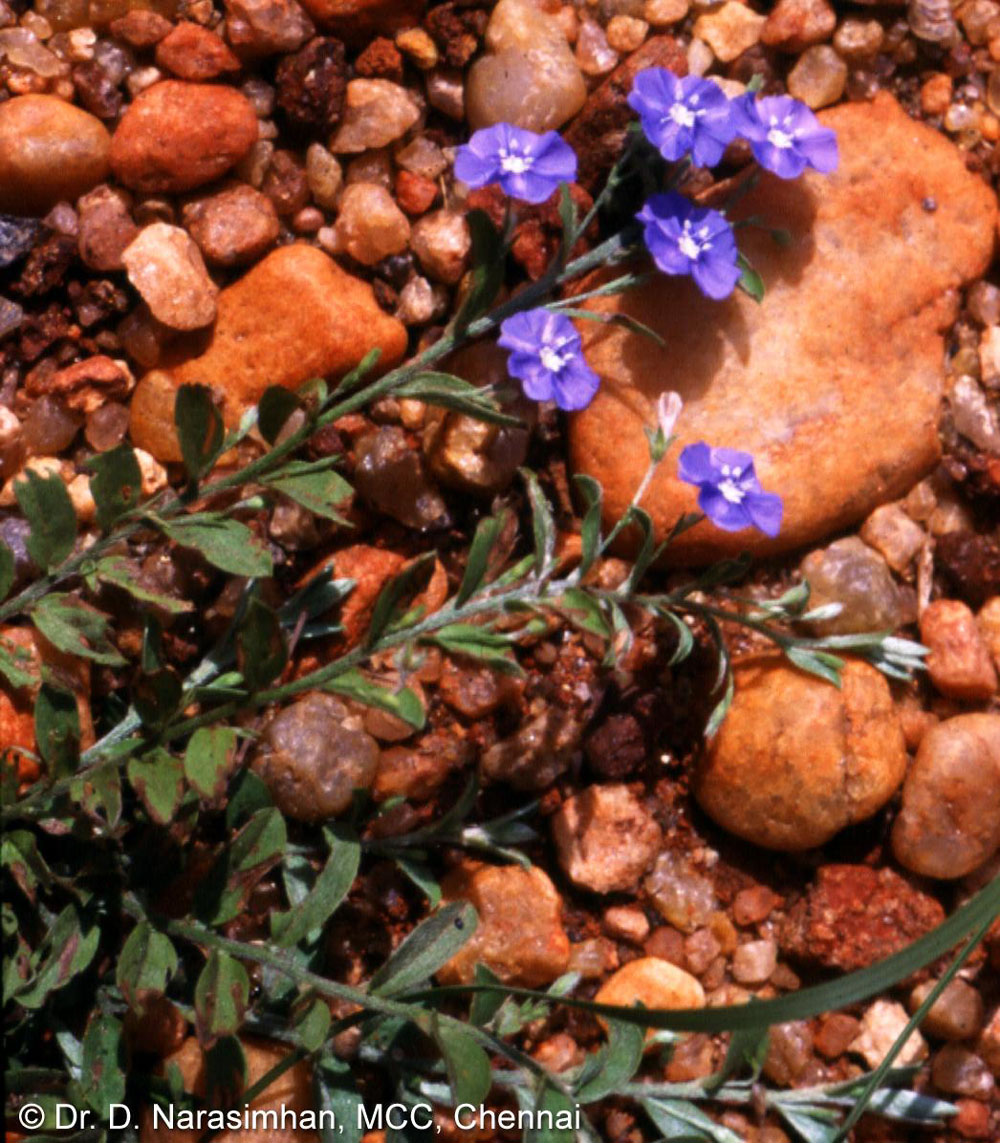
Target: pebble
376,113
753,905
415,193
293,316
445,89
989,357
949,824
988,1044
141,28
796,760
957,1014
194,53
626,923
680,892
264,27
959,664
528,76
894,534
313,756
794,25
390,475
593,54
536,753
655,983
835,1034
419,46
357,21
988,619
818,78
50,152
730,30
984,303
234,226
858,40
755,962
665,13
312,84
973,415
605,838
959,1071
324,175
881,1025
789,1052
802,381
176,136
520,936
852,574
166,267
853,916
105,228
442,243
290,1092
370,225
626,33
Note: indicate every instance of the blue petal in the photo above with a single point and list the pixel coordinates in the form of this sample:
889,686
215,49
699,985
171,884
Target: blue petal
765,509
555,158
575,385
716,277
476,170
722,512
820,150
694,465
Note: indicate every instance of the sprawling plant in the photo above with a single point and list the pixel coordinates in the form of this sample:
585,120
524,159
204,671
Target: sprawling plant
92,843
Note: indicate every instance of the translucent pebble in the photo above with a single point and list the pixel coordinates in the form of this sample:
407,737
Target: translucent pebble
106,426
49,427
974,417
957,1014
958,1071
858,39
22,49
593,54
376,112
391,476
850,573
681,893
422,157
324,176
819,77
984,303
789,1051
371,226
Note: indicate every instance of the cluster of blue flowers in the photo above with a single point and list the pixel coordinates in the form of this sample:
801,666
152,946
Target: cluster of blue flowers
681,117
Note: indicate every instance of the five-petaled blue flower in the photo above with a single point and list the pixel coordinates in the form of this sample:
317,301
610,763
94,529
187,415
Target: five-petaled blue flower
729,492
784,135
547,357
681,116
686,239
527,166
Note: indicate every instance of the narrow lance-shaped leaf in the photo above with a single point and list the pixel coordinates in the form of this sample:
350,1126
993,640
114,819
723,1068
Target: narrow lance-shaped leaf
118,572
449,392
330,889
8,570
397,595
261,652
488,271
477,563
403,703
75,628
431,944
273,410
49,511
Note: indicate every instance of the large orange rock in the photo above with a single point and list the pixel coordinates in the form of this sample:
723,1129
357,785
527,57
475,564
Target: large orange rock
797,759
834,381
49,151
356,21
176,136
295,315
291,1090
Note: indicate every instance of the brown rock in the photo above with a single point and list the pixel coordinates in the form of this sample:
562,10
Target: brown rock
960,665
140,28
655,983
193,52
356,21
166,267
950,821
597,133
233,226
793,25
988,618
176,136
381,59
50,151
796,760
312,82
419,771
262,27
105,228
86,385
295,315
415,193
853,916
292,1090
520,934
605,838
804,380
730,30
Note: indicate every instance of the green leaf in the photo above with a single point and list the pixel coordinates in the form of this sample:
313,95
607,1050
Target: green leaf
617,1062
145,966
67,950
318,491
273,410
552,1100
116,484
478,562
57,729
824,666
584,611
103,1071
252,852
430,945
118,572
477,643
199,429
208,759
100,790
590,525
397,595
226,544
221,997
488,262
403,703
333,1084
225,1072
485,1005
422,877
49,511
158,780
750,282
261,653
468,1066
542,525
156,697
449,392
8,569
811,1124
13,660
747,1051
325,897
313,1024
75,628
19,853
679,1119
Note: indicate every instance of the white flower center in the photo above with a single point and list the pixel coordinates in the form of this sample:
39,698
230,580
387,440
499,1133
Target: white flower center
514,164
683,115
551,358
728,487
779,136
689,244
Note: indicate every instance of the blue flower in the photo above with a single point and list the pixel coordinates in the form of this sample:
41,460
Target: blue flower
683,115
729,492
527,166
785,136
547,357
685,239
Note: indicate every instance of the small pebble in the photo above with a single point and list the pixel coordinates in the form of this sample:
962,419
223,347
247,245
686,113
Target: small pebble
959,664
957,1014
376,112
755,962
818,78
881,1025
166,267
442,242
958,1071
233,226
892,533
370,225
730,30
